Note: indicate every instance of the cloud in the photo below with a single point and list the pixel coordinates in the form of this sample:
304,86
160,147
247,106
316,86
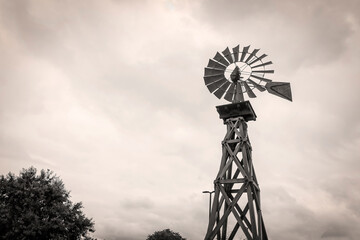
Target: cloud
319,29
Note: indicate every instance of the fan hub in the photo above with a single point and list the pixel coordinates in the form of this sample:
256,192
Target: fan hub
242,68
235,75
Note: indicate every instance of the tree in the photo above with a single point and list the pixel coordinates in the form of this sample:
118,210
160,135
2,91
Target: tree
38,207
165,234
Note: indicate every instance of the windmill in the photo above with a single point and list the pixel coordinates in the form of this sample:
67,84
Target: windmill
236,203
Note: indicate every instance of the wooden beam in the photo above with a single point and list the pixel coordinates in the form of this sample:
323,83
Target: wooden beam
234,211
252,213
233,232
237,161
239,180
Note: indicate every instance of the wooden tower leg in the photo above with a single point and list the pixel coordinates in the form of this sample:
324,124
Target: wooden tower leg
236,202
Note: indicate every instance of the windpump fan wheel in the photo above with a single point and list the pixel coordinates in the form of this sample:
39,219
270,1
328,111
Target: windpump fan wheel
230,74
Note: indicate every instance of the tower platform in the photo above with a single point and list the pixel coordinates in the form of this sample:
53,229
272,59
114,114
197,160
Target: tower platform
239,109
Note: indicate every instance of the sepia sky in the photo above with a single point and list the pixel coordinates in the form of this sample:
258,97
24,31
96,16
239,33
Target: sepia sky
110,96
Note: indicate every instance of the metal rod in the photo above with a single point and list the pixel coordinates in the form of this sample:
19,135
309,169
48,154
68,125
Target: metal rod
210,193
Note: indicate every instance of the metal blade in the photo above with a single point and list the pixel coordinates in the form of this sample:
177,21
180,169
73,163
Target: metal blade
257,59
218,57
238,96
220,92
211,79
236,53
263,71
213,71
252,54
214,64
263,64
261,78
257,86
249,92
227,54
280,89
215,85
230,93
244,51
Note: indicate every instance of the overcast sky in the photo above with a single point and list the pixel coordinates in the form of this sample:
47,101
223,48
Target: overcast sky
110,96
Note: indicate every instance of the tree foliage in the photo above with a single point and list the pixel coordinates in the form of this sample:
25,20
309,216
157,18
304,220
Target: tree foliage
38,207
165,234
